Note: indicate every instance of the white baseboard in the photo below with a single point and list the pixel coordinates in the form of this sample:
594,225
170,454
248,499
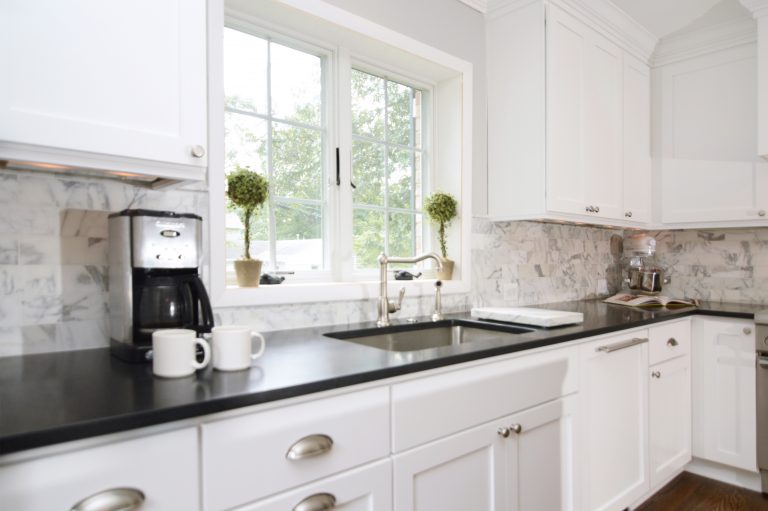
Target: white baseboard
655,489
724,473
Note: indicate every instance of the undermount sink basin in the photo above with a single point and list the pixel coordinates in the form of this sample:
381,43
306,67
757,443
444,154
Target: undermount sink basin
426,335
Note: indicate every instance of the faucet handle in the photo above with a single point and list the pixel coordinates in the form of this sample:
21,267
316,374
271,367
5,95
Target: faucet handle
395,306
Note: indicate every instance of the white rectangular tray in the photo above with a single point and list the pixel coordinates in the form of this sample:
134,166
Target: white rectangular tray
528,316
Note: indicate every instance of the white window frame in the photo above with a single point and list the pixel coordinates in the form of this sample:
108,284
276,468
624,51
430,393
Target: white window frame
455,155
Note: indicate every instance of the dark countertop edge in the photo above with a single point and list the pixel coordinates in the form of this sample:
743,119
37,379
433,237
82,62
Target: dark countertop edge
78,431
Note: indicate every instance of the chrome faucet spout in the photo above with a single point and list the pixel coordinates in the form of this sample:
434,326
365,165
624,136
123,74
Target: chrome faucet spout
385,307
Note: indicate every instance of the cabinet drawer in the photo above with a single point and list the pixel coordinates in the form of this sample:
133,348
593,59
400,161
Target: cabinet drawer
367,488
669,341
436,406
163,467
246,458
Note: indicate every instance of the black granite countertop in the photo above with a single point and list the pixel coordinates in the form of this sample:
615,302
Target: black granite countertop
57,397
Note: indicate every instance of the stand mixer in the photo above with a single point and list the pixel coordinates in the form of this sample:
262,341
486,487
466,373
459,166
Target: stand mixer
643,274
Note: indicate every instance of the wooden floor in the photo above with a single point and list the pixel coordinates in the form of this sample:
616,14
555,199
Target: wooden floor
689,492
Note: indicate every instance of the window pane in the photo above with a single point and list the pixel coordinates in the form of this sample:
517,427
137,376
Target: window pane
400,179
299,236
367,237
245,142
417,118
367,105
259,238
368,173
401,235
296,85
245,71
399,119
297,155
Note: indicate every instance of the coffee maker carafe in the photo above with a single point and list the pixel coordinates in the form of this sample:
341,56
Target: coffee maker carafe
154,281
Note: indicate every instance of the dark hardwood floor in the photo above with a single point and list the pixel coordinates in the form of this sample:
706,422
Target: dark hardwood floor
689,492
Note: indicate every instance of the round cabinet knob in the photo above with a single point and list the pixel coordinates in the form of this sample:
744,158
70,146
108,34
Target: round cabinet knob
761,212
504,432
597,209
517,428
588,209
656,374
628,214
747,330
198,151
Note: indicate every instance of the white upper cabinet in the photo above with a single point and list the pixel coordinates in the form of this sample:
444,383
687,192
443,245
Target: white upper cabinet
115,86
569,115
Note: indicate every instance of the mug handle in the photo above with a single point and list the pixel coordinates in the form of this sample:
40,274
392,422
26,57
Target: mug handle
256,355
206,353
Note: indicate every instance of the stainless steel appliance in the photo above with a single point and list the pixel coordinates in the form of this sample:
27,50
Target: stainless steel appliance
761,341
643,274
154,280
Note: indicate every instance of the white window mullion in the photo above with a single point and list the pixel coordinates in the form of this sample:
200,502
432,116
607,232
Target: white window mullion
344,262
270,169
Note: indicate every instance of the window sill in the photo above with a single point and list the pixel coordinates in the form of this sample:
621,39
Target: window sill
328,292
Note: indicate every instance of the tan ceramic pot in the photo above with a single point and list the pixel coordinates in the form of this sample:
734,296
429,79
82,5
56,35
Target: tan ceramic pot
447,272
248,272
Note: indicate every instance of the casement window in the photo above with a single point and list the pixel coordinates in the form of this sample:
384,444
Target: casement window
345,129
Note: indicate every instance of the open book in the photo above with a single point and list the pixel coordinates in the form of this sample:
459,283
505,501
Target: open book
650,301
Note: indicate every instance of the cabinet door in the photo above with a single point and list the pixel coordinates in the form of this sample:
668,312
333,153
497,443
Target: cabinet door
164,467
567,60
669,417
463,471
637,141
603,127
724,412
541,474
368,488
613,413
124,79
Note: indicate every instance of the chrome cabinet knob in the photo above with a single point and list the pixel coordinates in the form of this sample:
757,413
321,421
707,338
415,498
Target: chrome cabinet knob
672,342
761,212
747,330
503,432
317,502
114,499
517,428
656,374
628,214
589,209
597,209
198,151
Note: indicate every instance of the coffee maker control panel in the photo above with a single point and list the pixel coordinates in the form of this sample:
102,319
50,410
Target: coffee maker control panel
166,242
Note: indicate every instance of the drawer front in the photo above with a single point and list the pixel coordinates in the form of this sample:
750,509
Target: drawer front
367,488
435,406
246,458
669,341
163,467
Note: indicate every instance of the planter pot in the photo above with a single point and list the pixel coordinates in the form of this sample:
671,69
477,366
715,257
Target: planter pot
447,272
248,272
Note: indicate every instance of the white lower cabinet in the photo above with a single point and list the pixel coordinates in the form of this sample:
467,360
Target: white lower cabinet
367,488
613,406
669,418
724,401
512,463
160,469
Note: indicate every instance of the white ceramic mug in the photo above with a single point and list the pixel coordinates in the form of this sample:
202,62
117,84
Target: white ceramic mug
174,353
232,347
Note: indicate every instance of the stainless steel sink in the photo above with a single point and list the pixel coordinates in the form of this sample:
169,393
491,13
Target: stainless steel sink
426,335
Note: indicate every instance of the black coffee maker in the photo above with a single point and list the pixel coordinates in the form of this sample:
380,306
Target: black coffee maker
154,281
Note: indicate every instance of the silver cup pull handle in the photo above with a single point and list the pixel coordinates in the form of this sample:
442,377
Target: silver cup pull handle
114,499
672,342
317,502
309,446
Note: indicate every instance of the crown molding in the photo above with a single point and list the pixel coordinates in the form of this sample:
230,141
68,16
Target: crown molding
758,8
478,5
701,42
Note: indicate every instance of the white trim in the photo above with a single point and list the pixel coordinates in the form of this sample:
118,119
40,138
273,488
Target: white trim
478,5
758,8
701,42
724,473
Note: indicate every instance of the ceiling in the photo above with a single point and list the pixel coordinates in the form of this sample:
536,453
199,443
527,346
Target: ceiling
663,17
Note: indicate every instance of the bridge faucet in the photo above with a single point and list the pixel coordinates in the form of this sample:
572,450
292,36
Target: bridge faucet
385,305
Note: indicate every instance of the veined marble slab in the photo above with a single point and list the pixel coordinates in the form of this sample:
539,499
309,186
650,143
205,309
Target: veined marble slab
528,316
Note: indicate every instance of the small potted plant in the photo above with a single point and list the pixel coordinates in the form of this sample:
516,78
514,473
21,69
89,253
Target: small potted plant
442,208
247,191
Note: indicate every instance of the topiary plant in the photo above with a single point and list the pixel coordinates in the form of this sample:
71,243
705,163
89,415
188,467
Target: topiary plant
442,208
247,191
